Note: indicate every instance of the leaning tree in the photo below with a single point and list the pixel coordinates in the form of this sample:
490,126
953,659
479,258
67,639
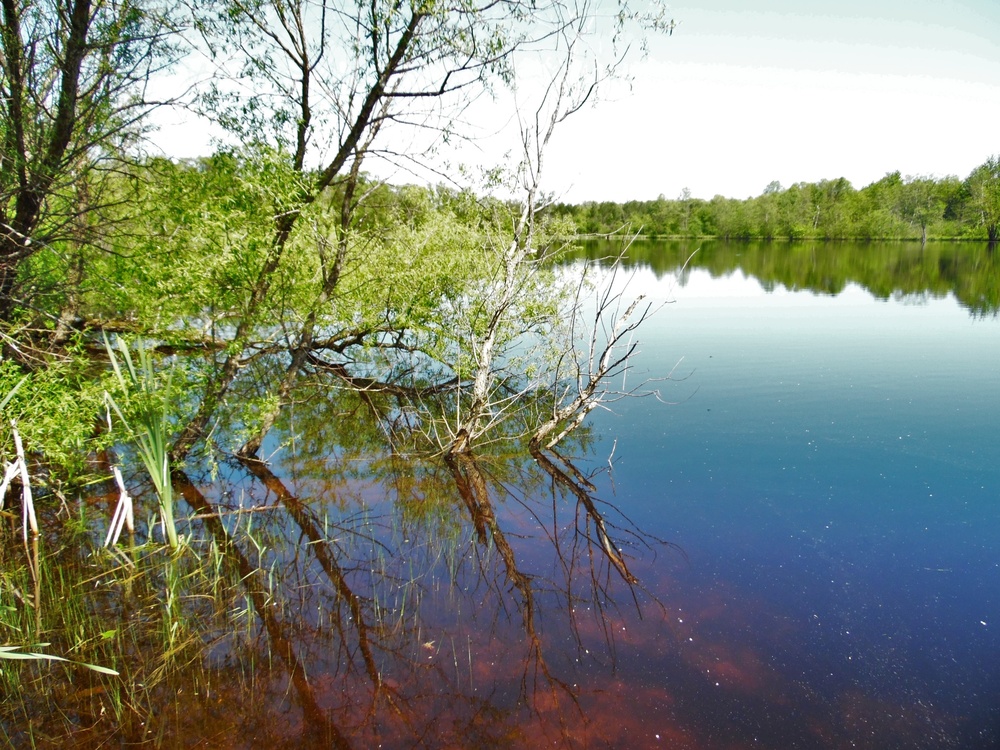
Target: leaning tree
331,85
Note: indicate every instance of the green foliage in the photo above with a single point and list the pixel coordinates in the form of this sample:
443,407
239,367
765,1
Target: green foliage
892,208
983,190
144,412
199,233
56,410
15,653
72,83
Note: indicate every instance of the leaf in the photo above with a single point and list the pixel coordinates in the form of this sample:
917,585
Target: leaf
11,652
11,392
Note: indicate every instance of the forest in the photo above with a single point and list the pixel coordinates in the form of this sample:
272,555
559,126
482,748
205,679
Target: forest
892,208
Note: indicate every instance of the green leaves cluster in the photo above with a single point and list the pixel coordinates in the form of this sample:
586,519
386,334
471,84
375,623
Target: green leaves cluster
197,232
56,409
143,408
895,207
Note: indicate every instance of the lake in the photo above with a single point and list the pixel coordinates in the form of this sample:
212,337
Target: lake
831,470
793,543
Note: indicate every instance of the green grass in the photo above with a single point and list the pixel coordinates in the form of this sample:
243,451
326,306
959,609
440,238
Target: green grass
147,425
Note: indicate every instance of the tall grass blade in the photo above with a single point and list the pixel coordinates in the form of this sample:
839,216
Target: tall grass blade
123,515
27,502
12,652
11,470
10,394
150,427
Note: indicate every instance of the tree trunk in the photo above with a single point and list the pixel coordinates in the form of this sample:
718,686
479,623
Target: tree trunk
8,276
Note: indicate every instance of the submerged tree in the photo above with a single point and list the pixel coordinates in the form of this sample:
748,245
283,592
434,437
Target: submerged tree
330,84
279,255
320,83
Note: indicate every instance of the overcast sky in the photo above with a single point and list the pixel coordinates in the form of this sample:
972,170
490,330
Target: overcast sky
747,92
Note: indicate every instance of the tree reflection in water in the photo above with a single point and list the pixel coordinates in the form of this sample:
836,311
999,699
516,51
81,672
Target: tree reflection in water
423,602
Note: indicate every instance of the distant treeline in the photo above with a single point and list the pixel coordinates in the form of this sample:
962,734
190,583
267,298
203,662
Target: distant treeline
892,208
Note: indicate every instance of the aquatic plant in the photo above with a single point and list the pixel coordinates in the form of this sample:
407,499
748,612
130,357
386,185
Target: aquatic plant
19,467
149,426
14,652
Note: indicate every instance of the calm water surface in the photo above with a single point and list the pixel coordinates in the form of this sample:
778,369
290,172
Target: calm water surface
809,511
831,470
795,544
798,545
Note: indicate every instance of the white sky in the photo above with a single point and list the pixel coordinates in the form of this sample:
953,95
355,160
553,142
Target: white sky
748,92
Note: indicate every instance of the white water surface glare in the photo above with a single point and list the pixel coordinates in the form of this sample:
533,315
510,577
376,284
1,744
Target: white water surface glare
830,467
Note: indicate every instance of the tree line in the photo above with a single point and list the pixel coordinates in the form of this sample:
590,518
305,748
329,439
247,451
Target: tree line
892,208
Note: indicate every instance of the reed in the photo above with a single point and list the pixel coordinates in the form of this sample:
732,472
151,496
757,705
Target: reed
148,427
13,652
19,468
105,608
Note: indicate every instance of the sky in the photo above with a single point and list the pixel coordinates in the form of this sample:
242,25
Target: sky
746,93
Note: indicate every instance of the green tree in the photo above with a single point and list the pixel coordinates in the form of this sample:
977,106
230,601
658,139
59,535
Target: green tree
794,214
325,83
983,186
829,200
336,84
921,203
877,209
72,77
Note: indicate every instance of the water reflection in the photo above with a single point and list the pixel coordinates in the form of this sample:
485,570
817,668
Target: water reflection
970,271
828,470
459,601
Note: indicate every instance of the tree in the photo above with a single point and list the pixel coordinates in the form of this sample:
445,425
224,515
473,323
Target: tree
877,214
830,198
326,84
72,77
325,81
921,203
983,186
500,313
506,310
